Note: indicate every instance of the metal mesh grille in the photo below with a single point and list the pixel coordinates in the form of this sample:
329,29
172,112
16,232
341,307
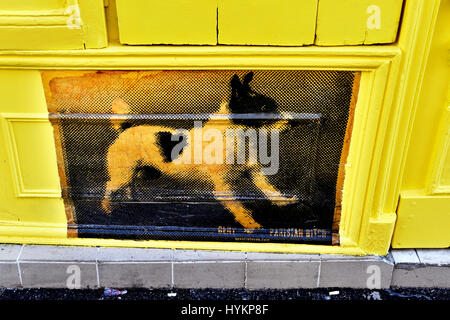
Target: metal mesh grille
120,158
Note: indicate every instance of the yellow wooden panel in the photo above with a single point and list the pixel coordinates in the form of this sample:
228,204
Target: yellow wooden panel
52,24
29,180
92,14
423,222
267,22
25,37
28,146
167,22
351,22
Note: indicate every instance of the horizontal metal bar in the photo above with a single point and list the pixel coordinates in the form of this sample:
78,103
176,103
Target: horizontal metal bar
188,116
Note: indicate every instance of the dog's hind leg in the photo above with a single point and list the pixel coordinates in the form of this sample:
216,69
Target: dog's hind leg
241,214
119,177
121,162
260,181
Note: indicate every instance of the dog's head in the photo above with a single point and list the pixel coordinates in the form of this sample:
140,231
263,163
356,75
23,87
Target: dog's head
246,101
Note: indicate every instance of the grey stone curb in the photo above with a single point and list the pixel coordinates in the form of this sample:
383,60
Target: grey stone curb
421,268
32,266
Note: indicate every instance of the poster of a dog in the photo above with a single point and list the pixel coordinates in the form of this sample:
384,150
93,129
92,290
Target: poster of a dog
213,155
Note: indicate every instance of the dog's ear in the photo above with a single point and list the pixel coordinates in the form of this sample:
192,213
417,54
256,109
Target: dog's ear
236,85
119,106
236,82
247,78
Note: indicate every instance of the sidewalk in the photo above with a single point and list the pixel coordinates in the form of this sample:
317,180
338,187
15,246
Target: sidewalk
31,266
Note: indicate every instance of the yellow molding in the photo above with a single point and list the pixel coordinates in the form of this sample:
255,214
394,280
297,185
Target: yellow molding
170,57
428,130
249,51
34,5
32,13
377,231
55,235
415,39
373,88
26,21
441,158
367,117
363,142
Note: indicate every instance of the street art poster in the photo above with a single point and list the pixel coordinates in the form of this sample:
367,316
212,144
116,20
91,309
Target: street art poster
202,155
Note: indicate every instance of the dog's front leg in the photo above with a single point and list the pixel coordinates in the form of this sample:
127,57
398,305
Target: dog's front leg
260,180
120,163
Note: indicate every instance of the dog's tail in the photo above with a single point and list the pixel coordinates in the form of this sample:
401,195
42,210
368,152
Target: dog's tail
120,107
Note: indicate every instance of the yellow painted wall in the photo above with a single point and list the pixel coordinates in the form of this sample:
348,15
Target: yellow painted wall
29,184
398,150
424,206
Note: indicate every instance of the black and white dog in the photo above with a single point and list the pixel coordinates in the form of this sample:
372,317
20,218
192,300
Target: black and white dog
153,146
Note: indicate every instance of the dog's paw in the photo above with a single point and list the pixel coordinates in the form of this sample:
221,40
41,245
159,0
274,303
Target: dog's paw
284,201
106,205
